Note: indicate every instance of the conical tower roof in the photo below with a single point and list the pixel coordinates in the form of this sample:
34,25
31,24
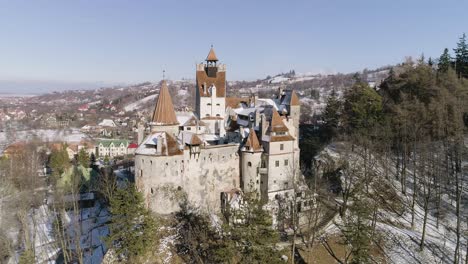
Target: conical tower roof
276,124
252,141
294,99
211,55
164,113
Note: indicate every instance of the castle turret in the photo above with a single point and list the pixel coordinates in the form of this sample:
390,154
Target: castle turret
164,118
251,158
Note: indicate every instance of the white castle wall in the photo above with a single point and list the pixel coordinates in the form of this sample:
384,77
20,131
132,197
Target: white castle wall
251,162
164,180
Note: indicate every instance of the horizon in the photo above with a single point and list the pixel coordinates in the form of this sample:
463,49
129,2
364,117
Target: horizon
58,46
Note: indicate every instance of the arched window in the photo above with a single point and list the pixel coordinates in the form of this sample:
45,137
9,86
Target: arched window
249,164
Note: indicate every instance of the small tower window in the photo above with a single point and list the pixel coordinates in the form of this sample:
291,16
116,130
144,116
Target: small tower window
286,162
281,146
249,164
277,163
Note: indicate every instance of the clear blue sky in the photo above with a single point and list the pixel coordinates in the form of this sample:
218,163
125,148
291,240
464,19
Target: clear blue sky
99,41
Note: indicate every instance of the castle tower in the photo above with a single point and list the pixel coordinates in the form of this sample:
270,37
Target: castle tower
164,118
251,158
295,111
280,156
211,94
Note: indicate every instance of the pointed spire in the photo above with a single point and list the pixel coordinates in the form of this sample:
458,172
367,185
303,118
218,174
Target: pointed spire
211,55
294,99
164,113
252,141
276,124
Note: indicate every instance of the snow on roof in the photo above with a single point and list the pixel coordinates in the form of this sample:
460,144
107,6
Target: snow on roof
186,137
245,111
264,102
148,147
183,117
107,123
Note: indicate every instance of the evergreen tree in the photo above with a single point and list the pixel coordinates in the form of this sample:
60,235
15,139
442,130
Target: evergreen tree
83,158
362,108
59,160
331,115
198,241
132,227
357,231
252,229
444,61
461,57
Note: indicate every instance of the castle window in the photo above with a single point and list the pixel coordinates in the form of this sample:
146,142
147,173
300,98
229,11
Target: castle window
143,161
218,115
208,104
151,162
249,164
281,146
217,104
152,191
286,162
285,185
189,128
207,114
277,163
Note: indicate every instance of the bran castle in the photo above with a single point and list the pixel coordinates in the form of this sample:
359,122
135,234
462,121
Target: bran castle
229,145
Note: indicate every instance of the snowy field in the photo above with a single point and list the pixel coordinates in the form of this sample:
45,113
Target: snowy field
135,105
45,135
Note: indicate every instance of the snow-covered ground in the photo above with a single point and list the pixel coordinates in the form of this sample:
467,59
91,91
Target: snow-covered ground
135,105
45,135
403,241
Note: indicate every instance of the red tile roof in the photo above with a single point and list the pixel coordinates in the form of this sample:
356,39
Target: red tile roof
164,113
252,141
211,55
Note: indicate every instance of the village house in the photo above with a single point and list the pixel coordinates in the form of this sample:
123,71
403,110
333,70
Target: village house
112,148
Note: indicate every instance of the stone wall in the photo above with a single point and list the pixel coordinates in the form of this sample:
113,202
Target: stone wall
167,180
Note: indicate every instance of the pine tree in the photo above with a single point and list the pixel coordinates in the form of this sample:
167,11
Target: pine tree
83,158
461,57
253,232
198,240
132,227
362,108
444,61
331,115
59,160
